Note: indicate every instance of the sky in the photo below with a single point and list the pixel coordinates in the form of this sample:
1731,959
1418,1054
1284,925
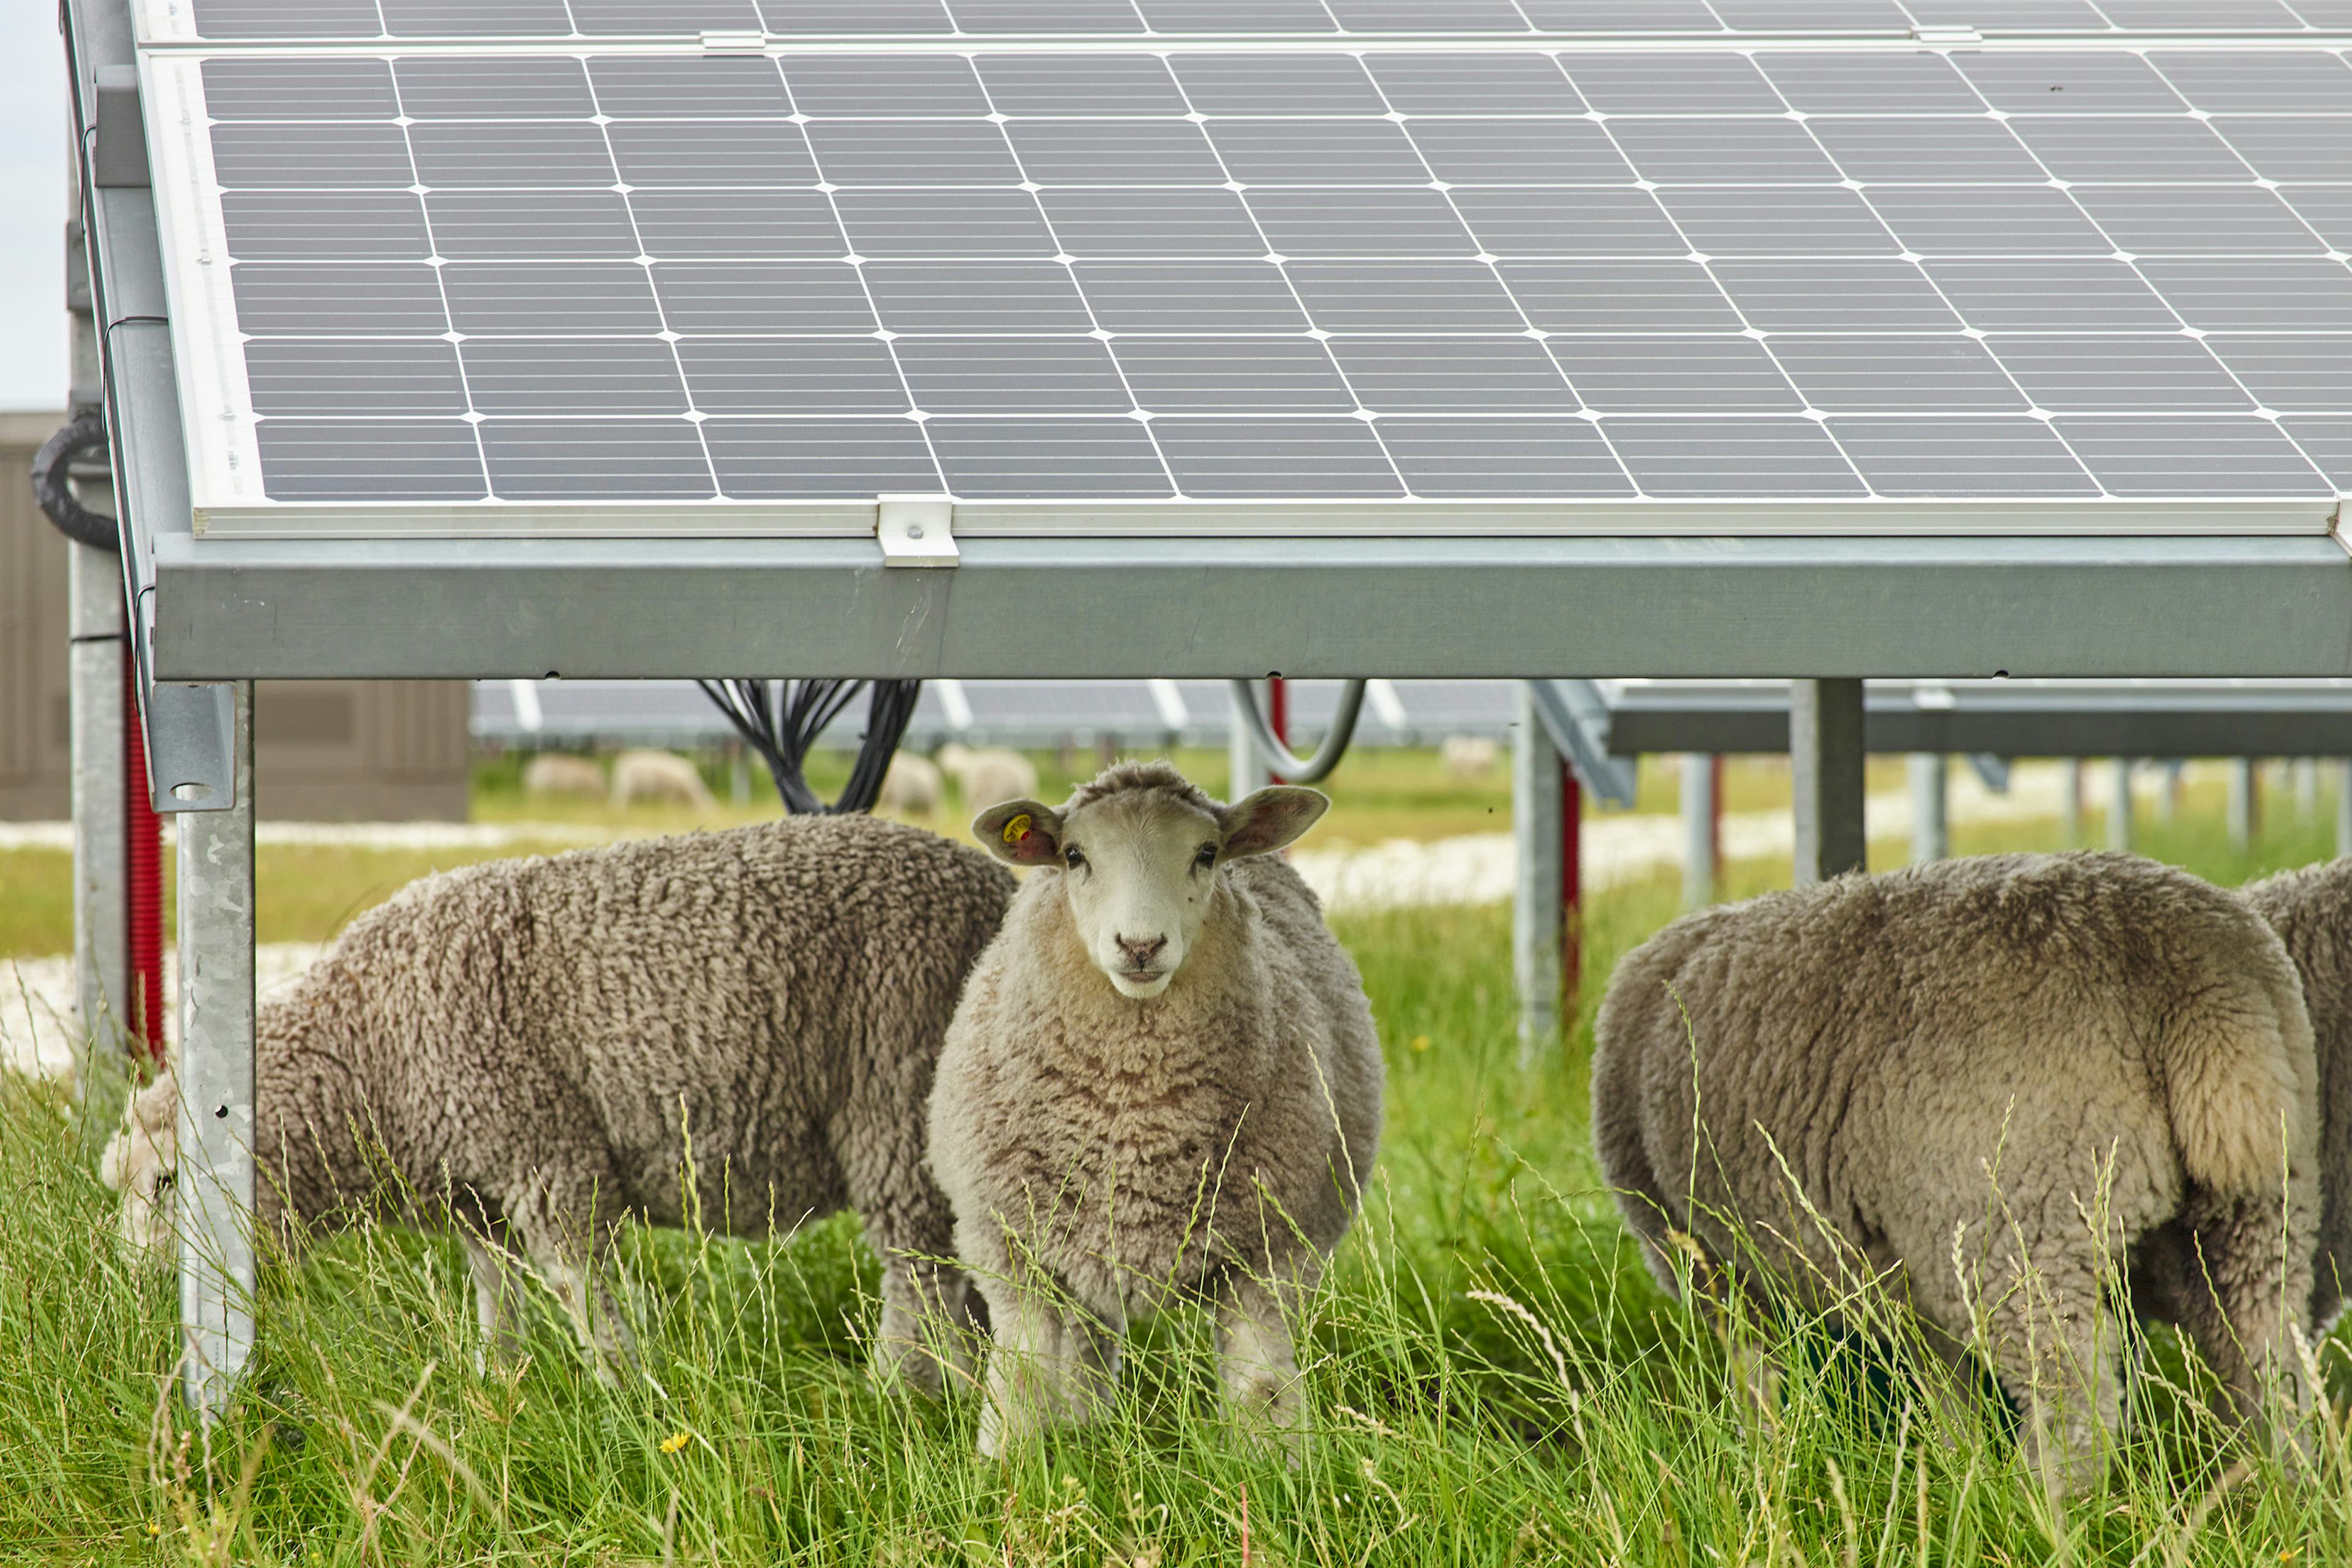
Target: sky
32,206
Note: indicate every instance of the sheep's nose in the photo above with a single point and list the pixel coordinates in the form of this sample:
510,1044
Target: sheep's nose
1139,954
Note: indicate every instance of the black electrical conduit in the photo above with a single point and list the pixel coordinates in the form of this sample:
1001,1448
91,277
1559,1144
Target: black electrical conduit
781,719
83,435
1277,757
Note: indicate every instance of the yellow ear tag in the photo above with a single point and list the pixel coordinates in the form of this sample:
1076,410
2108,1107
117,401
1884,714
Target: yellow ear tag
1017,829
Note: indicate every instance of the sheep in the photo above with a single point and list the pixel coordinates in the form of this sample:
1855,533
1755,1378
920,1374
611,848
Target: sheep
1162,1082
990,776
1940,1075
1467,758
554,774
531,1046
2311,909
658,778
911,785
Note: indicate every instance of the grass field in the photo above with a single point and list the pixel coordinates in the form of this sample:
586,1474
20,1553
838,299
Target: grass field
1496,1380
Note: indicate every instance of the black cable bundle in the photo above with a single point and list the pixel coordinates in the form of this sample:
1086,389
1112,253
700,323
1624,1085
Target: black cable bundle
781,719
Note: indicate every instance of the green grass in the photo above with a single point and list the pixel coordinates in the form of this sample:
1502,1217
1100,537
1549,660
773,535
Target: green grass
1567,1414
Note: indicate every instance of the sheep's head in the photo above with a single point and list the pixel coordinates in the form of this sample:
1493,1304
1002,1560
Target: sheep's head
141,1162
1138,852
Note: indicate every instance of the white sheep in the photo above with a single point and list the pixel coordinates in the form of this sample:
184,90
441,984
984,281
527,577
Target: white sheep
911,785
1162,1082
658,778
554,774
989,776
531,1047
1467,758
1997,1085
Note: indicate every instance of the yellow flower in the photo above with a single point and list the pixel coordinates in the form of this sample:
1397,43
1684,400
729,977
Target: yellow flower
674,1441
1421,1042
154,1529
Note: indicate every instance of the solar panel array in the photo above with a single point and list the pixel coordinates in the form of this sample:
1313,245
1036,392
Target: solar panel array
570,276
998,712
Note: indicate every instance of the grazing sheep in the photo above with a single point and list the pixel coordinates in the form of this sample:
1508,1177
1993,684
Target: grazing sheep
989,777
530,1045
1466,758
1162,1082
554,774
911,785
658,778
2311,909
1954,1068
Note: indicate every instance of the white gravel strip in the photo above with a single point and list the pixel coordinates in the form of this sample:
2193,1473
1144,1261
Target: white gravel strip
37,994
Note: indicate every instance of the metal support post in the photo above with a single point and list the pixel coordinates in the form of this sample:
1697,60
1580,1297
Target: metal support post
1825,769
216,1027
2307,787
95,700
2119,806
1243,770
1537,825
2245,801
2167,799
2070,808
1702,831
1931,819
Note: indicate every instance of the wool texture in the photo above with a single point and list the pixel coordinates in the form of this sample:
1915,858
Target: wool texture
533,1046
2311,909
1995,1083
1209,1143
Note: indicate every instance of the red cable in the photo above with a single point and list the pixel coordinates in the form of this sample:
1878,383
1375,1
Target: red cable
143,866
1277,708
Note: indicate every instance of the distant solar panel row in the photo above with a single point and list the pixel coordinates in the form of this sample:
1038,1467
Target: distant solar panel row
362,20
1100,275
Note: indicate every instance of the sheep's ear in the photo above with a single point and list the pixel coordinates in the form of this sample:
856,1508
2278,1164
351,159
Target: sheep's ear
1019,832
1270,818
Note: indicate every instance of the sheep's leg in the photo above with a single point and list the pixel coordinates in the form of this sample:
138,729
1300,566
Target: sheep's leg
927,1326
1049,1365
2056,1350
1259,1366
498,1301
2239,1293
569,1244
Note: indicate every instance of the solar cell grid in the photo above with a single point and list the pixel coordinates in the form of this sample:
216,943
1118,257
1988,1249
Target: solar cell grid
1236,274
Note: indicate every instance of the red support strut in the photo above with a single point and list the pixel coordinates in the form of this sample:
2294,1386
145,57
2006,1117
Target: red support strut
143,865
1571,894
1277,708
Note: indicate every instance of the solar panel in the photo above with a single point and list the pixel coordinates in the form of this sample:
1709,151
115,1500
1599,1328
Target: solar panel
708,291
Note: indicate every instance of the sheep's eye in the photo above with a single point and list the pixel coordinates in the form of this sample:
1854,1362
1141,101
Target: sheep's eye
163,1181
1072,858
1206,857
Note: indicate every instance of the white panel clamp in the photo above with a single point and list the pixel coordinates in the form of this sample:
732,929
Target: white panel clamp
716,42
1948,33
916,530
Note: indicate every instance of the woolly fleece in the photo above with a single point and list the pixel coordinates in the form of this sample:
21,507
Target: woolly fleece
1946,1059
532,1043
1211,1143
2311,909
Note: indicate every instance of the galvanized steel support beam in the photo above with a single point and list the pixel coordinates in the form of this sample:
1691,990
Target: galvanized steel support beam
215,1073
1825,769
1702,826
2245,801
1538,775
101,873
1931,820
2344,808
2119,806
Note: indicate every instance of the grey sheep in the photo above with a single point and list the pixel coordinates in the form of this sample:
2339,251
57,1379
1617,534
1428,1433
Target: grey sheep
1993,1083
2311,909
532,1046
1163,1083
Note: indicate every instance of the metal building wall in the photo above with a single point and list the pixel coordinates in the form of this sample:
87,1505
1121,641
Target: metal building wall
327,751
